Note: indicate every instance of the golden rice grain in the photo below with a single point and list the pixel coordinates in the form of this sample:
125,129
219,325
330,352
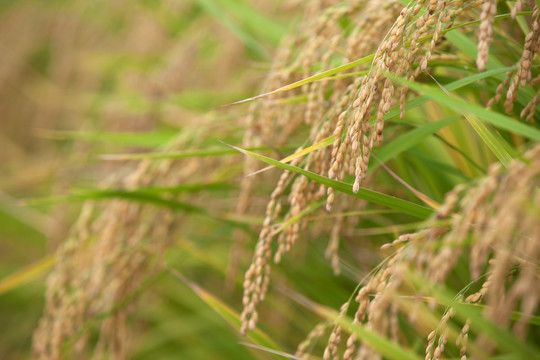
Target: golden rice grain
489,9
509,232
353,109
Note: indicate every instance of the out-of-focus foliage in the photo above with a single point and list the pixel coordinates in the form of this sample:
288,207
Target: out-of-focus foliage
83,79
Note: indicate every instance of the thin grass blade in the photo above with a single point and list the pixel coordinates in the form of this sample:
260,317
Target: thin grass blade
491,117
311,208
369,195
225,311
310,79
353,64
147,139
502,150
26,274
409,139
494,141
186,153
218,13
321,144
426,199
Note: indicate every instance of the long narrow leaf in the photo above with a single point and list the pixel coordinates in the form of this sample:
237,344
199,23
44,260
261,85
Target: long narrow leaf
271,351
311,79
369,195
312,207
187,153
409,139
144,193
321,144
226,312
426,199
213,8
455,85
142,197
147,139
494,118
26,274
255,21
494,141
355,63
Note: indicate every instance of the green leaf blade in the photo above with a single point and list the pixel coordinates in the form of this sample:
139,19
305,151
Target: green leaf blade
365,194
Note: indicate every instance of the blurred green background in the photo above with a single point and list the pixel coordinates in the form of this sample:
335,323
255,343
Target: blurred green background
86,78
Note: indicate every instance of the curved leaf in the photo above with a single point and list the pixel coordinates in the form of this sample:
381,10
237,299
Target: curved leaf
369,195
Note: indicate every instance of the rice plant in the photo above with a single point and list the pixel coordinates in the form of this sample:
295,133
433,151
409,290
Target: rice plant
340,180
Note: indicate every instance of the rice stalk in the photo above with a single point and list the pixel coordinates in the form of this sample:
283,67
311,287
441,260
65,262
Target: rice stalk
494,223
353,109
